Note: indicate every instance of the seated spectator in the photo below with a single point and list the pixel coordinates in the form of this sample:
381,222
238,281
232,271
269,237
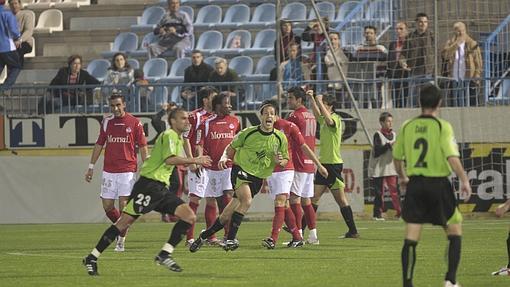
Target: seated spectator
143,92
223,74
288,37
336,49
25,21
119,73
66,99
293,72
395,69
174,32
464,64
198,72
235,43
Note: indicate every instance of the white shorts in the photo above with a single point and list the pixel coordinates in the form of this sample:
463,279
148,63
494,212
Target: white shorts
218,182
280,182
302,185
117,184
197,185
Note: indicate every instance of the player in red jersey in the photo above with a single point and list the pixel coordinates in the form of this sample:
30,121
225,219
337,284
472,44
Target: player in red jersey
302,190
282,179
213,137
197,177
123,134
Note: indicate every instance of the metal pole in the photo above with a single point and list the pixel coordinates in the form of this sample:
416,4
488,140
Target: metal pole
436,38
342,75
278,50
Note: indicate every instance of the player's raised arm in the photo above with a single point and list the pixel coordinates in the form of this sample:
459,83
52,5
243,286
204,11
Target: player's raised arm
315,107
326,113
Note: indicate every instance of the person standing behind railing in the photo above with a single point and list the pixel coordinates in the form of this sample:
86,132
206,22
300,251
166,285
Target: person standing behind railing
25,19
464,64
399,88
10,40
343,61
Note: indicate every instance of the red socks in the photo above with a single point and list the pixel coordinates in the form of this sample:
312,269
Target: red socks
290,221
311,218
279,217
298,213
113,214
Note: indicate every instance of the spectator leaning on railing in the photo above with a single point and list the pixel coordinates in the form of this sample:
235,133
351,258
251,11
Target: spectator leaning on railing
395,72
223,74
464,64
10,40
294,72
174,32
25,19
198,72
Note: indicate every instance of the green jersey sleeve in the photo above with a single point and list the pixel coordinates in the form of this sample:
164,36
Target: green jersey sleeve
238,140
398,146
448,142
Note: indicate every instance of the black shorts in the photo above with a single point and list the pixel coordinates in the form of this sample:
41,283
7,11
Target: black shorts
239,176
148,195
429,200
334,176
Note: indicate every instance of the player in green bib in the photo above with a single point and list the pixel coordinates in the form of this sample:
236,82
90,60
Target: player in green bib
150,192
428,147
255,152
329,155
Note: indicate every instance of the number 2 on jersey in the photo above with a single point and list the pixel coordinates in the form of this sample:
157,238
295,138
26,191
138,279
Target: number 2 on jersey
422,144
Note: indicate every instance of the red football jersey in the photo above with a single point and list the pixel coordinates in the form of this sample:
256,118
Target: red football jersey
295,140
215,134
121,136
307,125
196,118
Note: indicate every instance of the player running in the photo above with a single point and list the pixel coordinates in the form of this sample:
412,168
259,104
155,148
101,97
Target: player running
428,146
123,134
329,154
257,149
150,193
281,180
213,136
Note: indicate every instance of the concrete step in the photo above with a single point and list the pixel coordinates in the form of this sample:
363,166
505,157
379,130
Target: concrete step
102,23
90,50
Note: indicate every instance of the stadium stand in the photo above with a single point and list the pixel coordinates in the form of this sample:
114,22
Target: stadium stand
125,42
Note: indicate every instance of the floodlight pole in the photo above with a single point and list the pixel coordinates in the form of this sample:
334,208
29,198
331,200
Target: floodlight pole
278,49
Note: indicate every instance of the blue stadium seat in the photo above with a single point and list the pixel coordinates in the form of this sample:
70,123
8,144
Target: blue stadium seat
158,96
124,42
263,44
148,39
352,36
133,63
245,43
188,10
243,65
235,16
263,17
325,9
294,11
345,9
263,69
155,69
379,11
210,60
98,68
209,42
176,74
150,18
208,16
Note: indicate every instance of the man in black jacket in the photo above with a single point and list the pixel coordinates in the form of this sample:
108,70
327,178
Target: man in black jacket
198,72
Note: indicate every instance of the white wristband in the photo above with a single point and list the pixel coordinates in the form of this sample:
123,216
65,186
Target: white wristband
91,166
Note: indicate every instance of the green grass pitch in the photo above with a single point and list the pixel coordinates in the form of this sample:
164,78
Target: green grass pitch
50,255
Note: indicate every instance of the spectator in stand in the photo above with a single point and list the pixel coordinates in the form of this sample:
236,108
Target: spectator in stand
464,64
381,167
288,37
293,71
143,92
120,74
396,72
343,61
314,33
72,75
418,56
25,21
223,74
198,72
174,31
370,50
235,43
10,40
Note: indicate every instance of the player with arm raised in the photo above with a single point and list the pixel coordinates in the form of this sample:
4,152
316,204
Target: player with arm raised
122,133
255,152
213,137
281,180
428,147
150,192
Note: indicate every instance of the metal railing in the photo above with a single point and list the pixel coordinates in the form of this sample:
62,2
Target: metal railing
497,60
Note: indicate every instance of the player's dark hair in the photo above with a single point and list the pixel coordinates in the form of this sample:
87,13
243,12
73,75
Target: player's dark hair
218,99
329,100
297,92
268,103
173,114
430,96
384,116
204,93
420,15
118,95
370,27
